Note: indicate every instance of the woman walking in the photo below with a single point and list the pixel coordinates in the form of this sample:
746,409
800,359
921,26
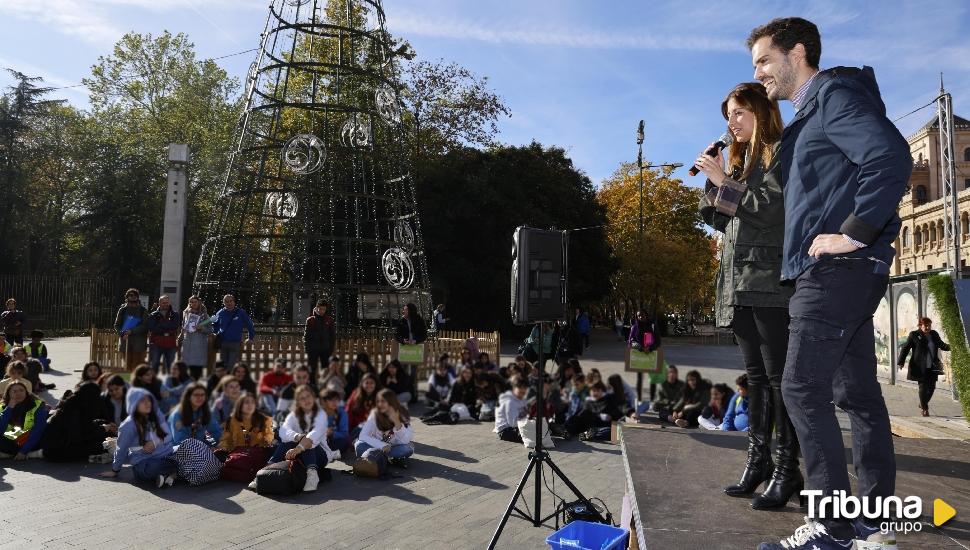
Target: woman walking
924,366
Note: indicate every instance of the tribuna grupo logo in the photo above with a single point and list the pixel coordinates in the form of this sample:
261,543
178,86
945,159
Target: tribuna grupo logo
901,515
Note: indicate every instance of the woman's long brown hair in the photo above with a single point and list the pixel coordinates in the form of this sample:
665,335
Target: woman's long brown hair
384,423
767,128
259,419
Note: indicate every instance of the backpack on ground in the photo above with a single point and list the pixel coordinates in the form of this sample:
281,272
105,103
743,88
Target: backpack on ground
281,478
197,463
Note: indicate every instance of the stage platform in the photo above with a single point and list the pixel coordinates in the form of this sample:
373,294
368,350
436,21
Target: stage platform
675,479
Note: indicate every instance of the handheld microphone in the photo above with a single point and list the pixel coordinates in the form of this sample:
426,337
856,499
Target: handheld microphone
722,142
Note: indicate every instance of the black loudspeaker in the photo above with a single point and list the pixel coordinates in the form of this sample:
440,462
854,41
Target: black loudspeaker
539,262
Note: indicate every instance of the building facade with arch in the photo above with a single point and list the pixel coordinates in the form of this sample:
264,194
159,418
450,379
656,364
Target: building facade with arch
921,245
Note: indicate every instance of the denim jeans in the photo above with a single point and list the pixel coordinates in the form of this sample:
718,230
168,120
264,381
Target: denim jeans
157,354
230,353
315,457
152,467
831,359
338,443
397,451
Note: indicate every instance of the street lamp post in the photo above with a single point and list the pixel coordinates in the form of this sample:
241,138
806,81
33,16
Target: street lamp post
640,167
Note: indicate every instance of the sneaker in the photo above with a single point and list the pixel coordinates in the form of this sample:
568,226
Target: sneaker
39,453
103,458
50,386
170,480
252,485
873,538
312,479
401,463
365,468
681,423
811,536
160,481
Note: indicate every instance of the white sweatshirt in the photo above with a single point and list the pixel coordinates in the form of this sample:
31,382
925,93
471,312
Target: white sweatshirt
317,434
510,408
372,436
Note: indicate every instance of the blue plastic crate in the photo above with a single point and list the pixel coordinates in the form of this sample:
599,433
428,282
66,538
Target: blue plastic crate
585,535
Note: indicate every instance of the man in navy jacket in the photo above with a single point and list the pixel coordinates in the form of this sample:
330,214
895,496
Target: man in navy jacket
845,169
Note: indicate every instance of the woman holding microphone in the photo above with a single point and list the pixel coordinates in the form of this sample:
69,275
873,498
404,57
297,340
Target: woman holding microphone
747,207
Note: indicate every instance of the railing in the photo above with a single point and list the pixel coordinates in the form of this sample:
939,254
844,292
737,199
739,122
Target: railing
267,348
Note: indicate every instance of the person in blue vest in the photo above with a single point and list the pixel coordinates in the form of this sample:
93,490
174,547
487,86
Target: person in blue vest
736,419
228,326
23,419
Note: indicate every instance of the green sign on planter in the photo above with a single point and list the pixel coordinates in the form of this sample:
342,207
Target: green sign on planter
644,362
410,354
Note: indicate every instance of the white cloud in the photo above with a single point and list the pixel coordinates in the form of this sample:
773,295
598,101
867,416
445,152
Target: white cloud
71,17
643,39
94,20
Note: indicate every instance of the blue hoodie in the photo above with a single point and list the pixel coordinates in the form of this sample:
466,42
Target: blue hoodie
229,325
736,417
185,432
129,447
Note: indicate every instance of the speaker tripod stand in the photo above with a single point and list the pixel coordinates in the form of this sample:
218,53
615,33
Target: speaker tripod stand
537,457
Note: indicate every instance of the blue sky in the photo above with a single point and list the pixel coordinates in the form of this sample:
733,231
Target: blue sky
577,74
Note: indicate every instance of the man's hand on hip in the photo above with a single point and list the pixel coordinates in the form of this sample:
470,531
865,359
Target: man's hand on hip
830,244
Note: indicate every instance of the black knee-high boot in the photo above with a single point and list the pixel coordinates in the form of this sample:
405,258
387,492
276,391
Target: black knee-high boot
787,480
758,467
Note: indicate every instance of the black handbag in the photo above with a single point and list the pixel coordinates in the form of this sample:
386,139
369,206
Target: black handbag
281,478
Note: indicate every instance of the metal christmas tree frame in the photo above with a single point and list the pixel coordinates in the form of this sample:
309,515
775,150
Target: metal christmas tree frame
318,201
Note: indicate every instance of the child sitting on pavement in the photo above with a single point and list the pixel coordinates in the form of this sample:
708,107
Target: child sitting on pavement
511,407
599,411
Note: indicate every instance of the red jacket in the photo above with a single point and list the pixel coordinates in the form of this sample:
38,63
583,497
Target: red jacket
271,381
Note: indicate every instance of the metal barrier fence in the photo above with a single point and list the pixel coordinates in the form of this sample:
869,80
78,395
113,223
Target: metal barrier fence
267,348
57,303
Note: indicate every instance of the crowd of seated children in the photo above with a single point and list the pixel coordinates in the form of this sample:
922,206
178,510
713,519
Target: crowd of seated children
697,394
360,368
395,378
144,441
246,383
76,428
300,377
338,424
227,393
271,385
713,414
23,419
736,417
360,403
439,384
599,411
303,435
670,392
333,377
385,435
512,406
192,418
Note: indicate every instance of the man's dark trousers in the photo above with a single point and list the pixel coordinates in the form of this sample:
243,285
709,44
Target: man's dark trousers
831,358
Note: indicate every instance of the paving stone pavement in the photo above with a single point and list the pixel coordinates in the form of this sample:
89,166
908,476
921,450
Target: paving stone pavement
459,483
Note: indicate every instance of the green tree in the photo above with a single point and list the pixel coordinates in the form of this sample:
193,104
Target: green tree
448,107
20,108
672,266
471,201
152,91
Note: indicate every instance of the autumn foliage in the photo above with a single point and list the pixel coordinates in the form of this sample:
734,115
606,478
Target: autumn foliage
673,266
